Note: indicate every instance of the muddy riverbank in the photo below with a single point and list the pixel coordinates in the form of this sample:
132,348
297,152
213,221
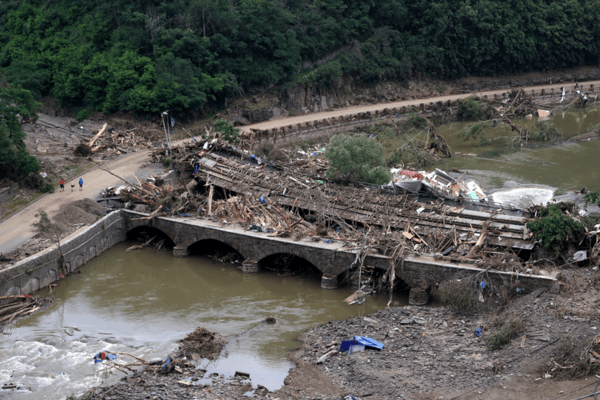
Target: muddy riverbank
429,353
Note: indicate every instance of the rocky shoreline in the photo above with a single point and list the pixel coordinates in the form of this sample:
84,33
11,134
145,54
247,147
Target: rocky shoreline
429,353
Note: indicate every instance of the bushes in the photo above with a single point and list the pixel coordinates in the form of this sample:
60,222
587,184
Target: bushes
357,157
505,335
471,109
15,103
555,229
226,130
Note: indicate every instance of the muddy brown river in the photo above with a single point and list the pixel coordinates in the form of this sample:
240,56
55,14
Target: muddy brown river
142,302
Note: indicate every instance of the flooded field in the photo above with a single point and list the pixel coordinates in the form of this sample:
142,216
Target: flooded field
142,302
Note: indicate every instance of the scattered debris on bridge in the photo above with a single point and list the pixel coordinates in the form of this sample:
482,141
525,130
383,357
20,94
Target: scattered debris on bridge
295,199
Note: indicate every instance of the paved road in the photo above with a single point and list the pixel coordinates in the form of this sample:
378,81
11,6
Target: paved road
17,229
277,123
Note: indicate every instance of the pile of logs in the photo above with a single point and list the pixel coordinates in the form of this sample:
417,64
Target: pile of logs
19,306
113,141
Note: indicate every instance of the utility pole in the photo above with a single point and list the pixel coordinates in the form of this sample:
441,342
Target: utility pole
165,114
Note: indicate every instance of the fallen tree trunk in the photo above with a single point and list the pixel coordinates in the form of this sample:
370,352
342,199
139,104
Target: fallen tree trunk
91,143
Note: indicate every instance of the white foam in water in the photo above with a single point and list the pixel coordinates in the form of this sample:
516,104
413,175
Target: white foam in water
524,197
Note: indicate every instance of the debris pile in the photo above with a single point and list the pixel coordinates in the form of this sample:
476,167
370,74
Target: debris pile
294,199
19,306
202,344
112,141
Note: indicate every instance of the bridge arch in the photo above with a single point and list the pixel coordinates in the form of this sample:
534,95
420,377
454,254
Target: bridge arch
215,247
287,262
145,233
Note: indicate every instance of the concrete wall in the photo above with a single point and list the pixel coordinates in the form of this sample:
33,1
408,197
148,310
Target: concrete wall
41,269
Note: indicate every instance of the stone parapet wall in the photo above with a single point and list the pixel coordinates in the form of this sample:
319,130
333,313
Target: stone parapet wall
330,126
332,259
41,269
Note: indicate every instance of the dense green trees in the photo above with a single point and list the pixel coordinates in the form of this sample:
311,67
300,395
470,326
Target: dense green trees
150,55
15,103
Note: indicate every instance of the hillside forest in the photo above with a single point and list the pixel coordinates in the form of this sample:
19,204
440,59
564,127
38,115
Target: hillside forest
183,55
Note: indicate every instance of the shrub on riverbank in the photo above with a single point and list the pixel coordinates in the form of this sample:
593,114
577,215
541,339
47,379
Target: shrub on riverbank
556,229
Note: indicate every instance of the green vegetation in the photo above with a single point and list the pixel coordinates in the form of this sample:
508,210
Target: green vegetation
545,131
471,109
555,229
182,55
505,335
15,103
44,223
227,131
592,197
168,162
357,157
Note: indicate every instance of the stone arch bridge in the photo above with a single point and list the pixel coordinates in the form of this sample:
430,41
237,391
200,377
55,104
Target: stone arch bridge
332,259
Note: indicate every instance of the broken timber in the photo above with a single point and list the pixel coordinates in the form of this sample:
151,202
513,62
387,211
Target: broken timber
365,206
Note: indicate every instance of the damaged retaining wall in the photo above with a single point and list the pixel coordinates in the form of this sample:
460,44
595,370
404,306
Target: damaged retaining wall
43,268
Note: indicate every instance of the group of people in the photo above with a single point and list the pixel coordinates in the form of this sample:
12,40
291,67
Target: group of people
62,185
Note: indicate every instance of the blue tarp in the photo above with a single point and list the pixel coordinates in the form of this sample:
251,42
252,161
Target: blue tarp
345,346
360,341
368,342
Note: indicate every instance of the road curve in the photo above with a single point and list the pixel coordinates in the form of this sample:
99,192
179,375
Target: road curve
278,123
17,229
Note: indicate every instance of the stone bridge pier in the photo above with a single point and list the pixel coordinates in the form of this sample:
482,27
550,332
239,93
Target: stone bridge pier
333,260
255,248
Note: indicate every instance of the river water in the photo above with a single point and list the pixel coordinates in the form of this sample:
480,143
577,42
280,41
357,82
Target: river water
142,302
568,166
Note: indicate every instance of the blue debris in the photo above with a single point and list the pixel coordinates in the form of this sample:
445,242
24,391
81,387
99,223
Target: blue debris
449,250
482,285
345,346
196,167
103,355
356,348
368,342
167,363
262,200
477,332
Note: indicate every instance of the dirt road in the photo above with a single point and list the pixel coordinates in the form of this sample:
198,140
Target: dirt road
17,229
277,123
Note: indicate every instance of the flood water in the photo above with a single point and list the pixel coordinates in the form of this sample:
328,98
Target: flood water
567,166
142,302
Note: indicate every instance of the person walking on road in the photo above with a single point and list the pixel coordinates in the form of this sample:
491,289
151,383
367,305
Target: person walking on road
72,186
62,185
80,184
